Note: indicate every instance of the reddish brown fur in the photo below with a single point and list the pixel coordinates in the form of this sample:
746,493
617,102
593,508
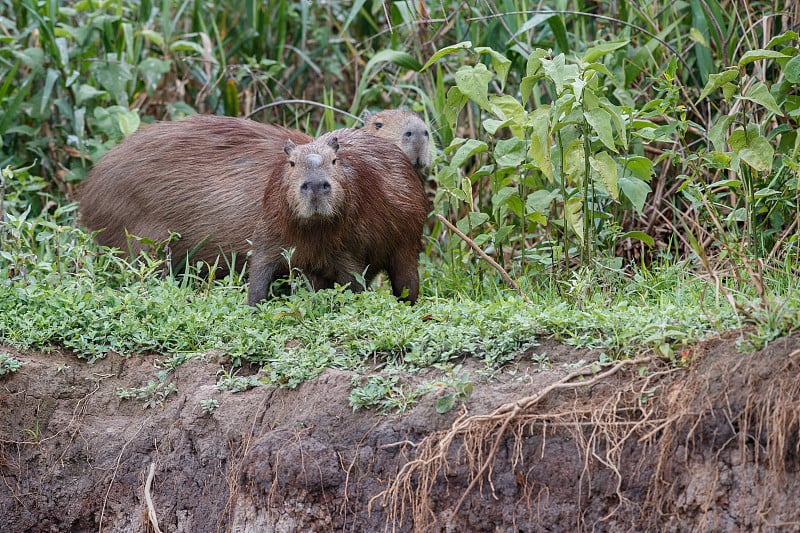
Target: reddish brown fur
202,177
381,209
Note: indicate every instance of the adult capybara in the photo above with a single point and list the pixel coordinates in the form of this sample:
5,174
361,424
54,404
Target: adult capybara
204,177
343,211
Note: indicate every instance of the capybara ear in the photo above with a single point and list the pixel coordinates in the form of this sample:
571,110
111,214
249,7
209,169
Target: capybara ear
289,146
365,115
333,142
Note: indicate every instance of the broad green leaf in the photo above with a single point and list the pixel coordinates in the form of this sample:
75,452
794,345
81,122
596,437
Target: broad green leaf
561,73
507,107
596,52
638,235
87,92
574,160
756,55
533,67
113,76
397,57
540,141
574,215
600,121
33,58
758,153
641,167
509,152
541,200
500,63
445,404
715,81
472,221
738,139
473,82
606,168
445,51
466,188
500,198
719,131
634,190
759,93
537,218
128,122
456,100
492,125
792,70
468,149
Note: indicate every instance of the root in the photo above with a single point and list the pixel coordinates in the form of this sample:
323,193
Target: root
412,488
151,509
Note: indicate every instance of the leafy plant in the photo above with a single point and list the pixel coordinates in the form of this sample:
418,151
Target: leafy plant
9,363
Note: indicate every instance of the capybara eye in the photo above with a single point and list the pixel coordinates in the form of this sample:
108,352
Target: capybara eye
378,125
425,133
408,134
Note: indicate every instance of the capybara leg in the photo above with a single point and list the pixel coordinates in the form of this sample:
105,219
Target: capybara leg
405,278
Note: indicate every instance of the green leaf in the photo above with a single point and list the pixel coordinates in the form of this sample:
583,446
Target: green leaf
128,122
492,125
574,216
473,82
606,168
759,93
541,200
509,152
87,92
638,235
154,36
186,46
152,70
471,221
792,70
596,52
500,63
641,167
445,51
756,55
508,107
600,121
635,190
763,193
784,37
719,131
758,153
467,149
715,81
445,404
540,141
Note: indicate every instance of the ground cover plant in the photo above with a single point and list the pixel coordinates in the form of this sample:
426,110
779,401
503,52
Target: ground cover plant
622,174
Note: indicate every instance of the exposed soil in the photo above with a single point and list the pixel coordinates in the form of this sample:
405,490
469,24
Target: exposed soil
635,447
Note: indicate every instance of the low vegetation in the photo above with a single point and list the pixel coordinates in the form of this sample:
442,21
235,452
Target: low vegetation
633,169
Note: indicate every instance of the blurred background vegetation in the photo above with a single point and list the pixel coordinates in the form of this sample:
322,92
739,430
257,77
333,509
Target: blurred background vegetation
604,134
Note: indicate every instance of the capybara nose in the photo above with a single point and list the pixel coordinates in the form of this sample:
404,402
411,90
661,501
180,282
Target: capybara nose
316,186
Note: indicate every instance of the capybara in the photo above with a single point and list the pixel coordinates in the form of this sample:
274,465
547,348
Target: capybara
343,211
204,177
407,130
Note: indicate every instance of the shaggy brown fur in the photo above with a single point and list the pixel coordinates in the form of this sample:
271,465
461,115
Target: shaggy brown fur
202,177
342,210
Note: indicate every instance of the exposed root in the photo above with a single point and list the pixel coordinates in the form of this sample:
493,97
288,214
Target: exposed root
411,490
152,516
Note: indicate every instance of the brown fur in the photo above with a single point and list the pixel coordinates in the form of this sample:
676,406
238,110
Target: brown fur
202,177
371,219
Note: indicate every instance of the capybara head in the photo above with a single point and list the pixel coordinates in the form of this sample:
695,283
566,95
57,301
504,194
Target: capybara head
314,180
407,130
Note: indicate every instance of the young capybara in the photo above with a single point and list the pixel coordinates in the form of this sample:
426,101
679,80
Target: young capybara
343,211
204,177
407,130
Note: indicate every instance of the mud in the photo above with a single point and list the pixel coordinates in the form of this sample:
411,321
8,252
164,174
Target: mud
713,446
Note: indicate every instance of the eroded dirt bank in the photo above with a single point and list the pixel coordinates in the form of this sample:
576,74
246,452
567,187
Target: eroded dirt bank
641,447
